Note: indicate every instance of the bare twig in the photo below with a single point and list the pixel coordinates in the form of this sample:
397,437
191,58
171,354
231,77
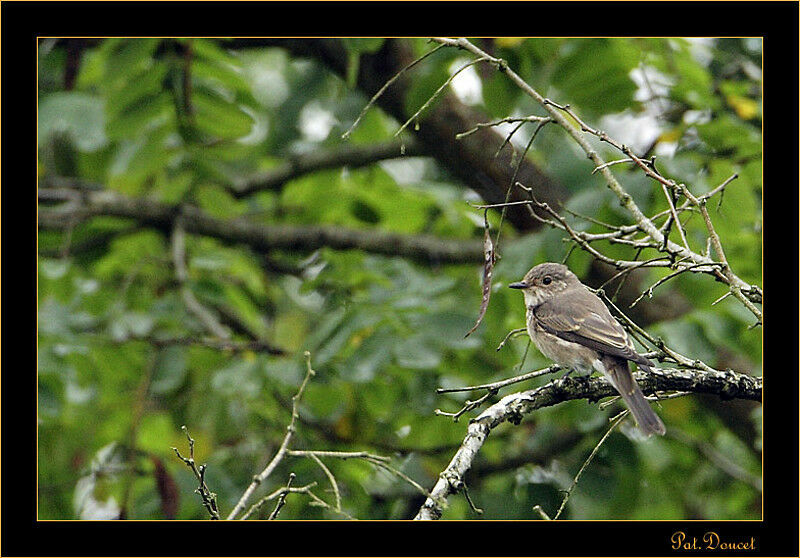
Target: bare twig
568,492
401,475
281,499
436,93
468,406
474,508
340,455
331,479
507,120
494,386
377,460
208,497
514,182
385,87
649,290
280,493
282,450
509,335
610,163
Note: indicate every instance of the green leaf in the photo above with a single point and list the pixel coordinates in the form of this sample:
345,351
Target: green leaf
147,84
127,251
170,370
239,380
366,44
146,112
156,433
726,132
127,57
78,114
220,117
594,74
370,356
416,353
355,47
500,95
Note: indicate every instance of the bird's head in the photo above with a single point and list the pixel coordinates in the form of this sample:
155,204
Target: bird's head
545,281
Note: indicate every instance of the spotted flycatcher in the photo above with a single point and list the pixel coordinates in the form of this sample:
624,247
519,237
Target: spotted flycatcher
571,326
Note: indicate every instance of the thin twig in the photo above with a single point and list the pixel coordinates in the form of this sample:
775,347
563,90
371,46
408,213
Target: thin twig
629,269
507,120
282,450
403,476
331,479
514,181
281,499
339,454
509,335
277,494
649,290
468,406
503,383
586,463
208,497
476,509
436,93
385,87
610,163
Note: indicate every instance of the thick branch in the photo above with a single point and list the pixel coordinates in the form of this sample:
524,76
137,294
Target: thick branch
423,248
512,408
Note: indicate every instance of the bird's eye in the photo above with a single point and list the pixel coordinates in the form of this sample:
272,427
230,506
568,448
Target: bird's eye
547,280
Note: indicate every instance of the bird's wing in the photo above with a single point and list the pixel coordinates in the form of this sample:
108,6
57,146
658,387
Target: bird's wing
586,320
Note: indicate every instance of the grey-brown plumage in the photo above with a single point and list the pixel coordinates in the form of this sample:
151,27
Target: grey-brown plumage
571,326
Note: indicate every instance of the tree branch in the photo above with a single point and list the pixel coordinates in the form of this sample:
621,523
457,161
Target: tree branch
422,248
513,407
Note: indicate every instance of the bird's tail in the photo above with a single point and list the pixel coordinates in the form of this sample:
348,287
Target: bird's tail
622,379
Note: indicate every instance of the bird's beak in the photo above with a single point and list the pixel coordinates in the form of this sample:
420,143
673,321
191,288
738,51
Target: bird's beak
518,285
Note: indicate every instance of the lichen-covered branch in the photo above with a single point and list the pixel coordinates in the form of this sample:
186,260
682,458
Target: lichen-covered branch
512,408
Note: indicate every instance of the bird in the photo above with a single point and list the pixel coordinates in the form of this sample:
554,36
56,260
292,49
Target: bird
571,326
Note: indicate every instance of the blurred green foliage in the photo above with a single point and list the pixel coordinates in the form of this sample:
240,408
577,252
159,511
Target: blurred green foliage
187,120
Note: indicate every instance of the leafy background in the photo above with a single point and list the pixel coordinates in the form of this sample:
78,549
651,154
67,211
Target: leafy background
190,120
